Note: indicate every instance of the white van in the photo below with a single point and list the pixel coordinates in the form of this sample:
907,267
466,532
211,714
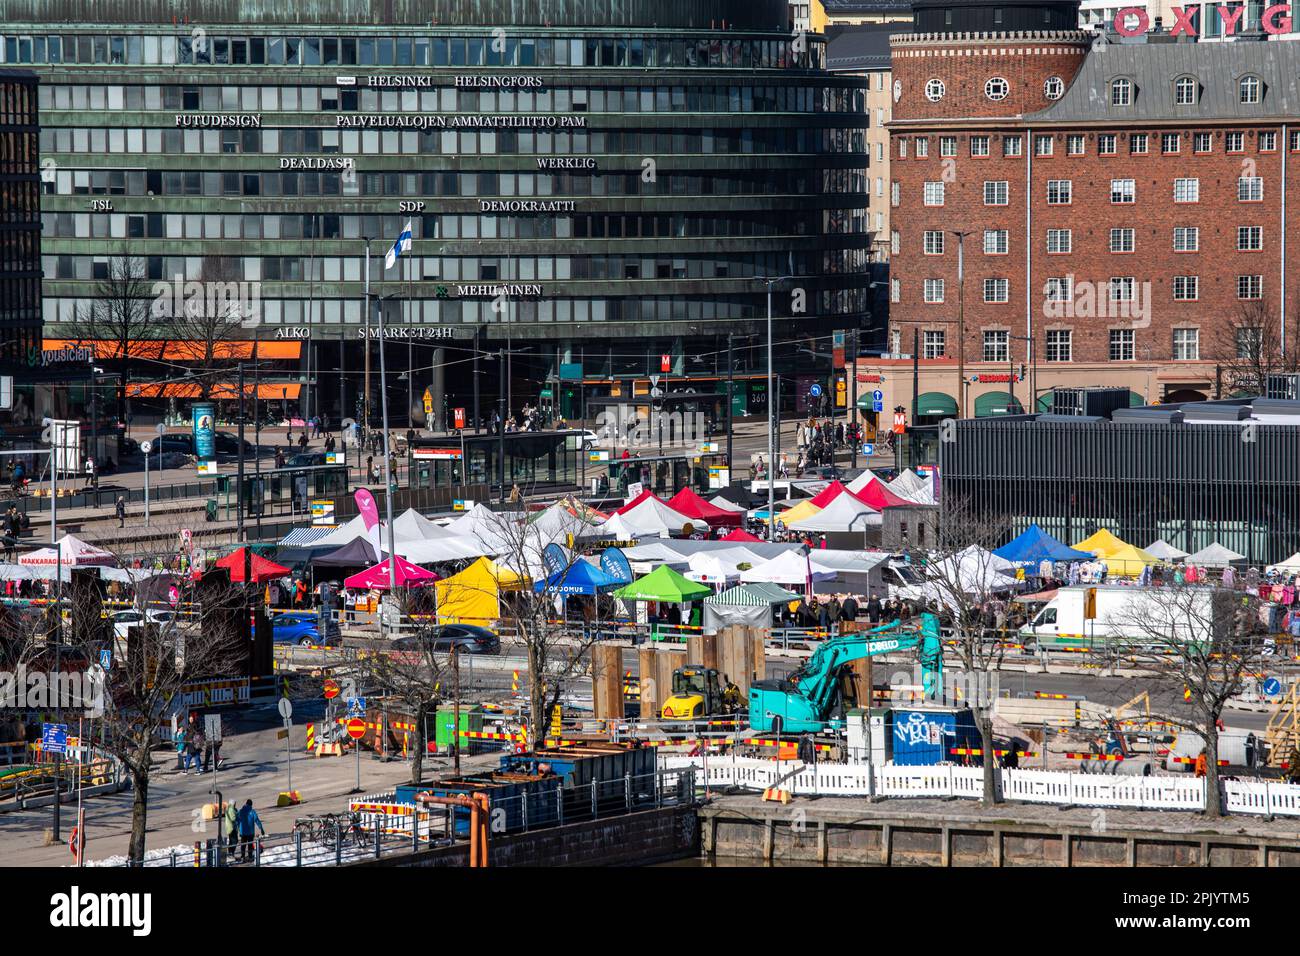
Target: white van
1138,615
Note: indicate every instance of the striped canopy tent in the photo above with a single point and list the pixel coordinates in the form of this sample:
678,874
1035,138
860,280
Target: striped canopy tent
304,537
1101,543
754,595
749,605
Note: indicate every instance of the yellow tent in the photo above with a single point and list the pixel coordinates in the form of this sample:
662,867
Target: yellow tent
804,509
1128,561
1103,544
473,596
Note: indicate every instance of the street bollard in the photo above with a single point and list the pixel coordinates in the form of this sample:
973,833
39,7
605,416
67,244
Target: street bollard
338,844
593,800
297,848
627,791
559,805
525,810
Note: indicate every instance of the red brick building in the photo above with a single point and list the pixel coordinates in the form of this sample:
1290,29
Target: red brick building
1068,211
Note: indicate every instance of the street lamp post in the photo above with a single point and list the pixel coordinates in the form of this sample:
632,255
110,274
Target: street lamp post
771,413
961,321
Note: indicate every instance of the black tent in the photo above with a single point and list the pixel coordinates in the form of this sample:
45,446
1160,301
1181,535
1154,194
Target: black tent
357,553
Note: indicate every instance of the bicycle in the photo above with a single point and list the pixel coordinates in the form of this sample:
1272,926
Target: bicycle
332,830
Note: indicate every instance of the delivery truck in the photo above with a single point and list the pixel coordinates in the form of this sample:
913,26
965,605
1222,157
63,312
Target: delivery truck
1088,616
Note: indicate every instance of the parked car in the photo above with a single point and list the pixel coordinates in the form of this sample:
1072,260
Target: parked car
590,439
228,444
306,460
130,446
175,443
468,639
123,621
294,627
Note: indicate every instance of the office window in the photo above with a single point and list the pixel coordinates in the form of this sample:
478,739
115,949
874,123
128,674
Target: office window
1121,240
995,242
1234,142
979,145
1202,142
1122,191
995,290
1043,145
1187,345
1250,238
895,290
933,242
997,346
1267,141
1059,345
933,345
1187,190
1170,142
933,290
1058,192
1250,341
1250,189
922,147
1106,144
1058,289
1074,144
934,193
1294,140
1250,287
1121,345
947,146
902,147
1187,288
894,193
1187,238
934,90
1013,146
1121,288
997,88
1137,143
995,192
1060,240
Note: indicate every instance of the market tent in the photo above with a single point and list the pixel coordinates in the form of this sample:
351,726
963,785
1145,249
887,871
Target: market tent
845,513
687,502
473,596
304,538
1290,566
1101,543
829,493
663,584
357,553
647,515
1127,561
262,569
869,488
973,570
441,550
715,567
379,577
1162,550
741,535
582,577
791,567
483,523
564,518
718,501
913,487
71,552
749,605
804,509
410,525
355,528
1034,545
1214,556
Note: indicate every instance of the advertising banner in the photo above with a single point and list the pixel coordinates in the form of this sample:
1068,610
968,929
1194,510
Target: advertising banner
205,430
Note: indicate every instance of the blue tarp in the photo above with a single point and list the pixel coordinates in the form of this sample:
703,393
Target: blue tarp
582,577
1035,545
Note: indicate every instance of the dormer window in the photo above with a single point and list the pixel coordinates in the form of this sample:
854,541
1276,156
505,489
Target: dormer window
1186,91
1121,92
1249,89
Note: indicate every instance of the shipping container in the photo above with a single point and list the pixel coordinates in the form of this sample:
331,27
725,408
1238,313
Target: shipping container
513,798
580,766
921,736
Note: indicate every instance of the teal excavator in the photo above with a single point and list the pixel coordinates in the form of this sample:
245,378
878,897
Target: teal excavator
817,697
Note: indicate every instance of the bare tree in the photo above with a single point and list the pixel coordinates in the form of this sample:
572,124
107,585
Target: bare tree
1193,648
119,317
970,587
212,320
1250,348
151,668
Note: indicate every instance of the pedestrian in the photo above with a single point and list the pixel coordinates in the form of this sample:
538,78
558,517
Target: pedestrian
230,826
302,441
207,753
1011,759
120,508
279,458
249,824
1202,763
178,738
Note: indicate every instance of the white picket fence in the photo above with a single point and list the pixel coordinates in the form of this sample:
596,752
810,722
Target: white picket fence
1180,792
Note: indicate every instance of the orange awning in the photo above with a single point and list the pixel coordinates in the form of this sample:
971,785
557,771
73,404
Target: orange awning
225,391
180,351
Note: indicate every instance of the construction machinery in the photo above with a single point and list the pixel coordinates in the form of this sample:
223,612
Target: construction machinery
820,694
697,693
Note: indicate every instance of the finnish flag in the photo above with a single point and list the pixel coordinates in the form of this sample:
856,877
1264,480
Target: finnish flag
403,244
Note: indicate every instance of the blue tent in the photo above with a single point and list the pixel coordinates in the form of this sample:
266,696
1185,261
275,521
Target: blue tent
582,577
1035,545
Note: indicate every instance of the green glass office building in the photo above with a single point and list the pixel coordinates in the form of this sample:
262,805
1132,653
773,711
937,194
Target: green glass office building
601,184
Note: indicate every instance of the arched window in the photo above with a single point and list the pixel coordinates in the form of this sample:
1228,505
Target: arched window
1186,91
1249,89
1121,92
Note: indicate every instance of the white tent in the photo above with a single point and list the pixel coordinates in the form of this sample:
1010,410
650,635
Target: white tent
1214,556
1162,550
913,487
719,501
557,522
793,567
973,570
410,525
844,513
441,550
708,568
345,534
70,551
1290,566
650,517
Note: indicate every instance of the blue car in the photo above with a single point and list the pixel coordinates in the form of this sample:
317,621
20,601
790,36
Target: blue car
299,628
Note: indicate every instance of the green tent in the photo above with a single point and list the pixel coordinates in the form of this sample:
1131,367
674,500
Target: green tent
663,584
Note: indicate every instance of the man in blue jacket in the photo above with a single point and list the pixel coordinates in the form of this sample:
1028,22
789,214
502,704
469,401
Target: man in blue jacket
247,821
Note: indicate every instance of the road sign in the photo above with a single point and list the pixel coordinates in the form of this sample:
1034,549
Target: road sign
877,407
106,659
54,738
665,363
356,728
356,706
212,726
332,689
146,446
160,428
1272,687
286,708
815,391
900,423
458,417
877,396
654,380
868,450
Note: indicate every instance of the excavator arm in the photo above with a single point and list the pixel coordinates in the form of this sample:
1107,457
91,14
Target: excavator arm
802,702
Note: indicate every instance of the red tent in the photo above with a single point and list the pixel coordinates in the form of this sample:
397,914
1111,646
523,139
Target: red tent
875,494
687,502
741,535
637,500
830,493
263,570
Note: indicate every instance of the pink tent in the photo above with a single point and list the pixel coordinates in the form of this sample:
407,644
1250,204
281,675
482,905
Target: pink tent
687,502
408,575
